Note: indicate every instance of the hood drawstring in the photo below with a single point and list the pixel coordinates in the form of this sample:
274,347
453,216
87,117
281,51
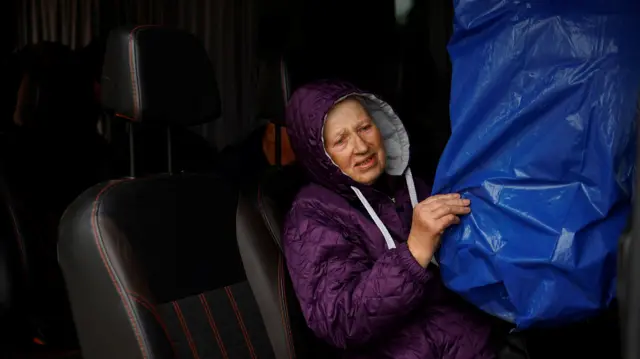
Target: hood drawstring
411,187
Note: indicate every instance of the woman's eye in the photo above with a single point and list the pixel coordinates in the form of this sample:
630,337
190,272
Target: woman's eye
366,128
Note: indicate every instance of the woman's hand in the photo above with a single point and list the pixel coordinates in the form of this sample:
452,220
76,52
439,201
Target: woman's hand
430,218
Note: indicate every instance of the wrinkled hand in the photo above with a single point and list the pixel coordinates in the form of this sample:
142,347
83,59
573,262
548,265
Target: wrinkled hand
430,218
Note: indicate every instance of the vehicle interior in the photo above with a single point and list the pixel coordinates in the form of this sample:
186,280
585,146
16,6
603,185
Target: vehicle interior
146,173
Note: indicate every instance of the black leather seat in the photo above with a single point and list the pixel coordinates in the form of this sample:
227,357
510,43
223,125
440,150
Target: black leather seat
152,264
261,212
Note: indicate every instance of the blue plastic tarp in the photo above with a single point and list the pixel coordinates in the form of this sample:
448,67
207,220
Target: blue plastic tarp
543,109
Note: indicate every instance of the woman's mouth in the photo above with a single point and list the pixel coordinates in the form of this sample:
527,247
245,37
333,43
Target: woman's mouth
366,163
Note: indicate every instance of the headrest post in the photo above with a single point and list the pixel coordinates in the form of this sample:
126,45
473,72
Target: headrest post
169,151
132,150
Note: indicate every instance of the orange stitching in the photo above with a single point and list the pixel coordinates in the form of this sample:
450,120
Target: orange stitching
151,308
103,255
234,305
212,324
283,310
124,116
183,323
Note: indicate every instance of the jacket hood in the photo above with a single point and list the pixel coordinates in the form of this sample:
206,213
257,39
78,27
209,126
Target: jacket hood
305,117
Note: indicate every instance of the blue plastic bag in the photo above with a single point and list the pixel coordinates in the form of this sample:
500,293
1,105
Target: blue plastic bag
543,111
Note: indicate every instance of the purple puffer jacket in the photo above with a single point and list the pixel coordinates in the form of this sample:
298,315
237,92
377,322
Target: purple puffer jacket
355,292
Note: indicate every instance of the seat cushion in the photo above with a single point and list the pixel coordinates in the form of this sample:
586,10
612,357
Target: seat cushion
223,323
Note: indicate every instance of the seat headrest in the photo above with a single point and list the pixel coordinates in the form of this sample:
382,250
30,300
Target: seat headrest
285,90
154,74
275,90
285,82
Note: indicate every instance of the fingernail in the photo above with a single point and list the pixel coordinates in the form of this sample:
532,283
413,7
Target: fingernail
466,201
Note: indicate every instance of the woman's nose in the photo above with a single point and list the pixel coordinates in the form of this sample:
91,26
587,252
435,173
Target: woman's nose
360,145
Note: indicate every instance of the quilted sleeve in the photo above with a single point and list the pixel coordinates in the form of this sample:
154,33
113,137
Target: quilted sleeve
347,299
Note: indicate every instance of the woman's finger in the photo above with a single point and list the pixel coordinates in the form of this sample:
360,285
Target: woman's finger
446,221
441,196
456,202
444,210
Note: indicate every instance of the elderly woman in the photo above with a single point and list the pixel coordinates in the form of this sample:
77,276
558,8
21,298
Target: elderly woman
360,239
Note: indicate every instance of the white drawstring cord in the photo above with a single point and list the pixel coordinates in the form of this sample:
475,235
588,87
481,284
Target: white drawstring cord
413,195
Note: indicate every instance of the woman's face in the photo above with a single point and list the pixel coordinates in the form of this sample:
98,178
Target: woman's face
354,142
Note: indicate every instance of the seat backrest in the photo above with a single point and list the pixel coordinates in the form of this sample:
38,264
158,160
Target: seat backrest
259,223
152,264
261,212
153,271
